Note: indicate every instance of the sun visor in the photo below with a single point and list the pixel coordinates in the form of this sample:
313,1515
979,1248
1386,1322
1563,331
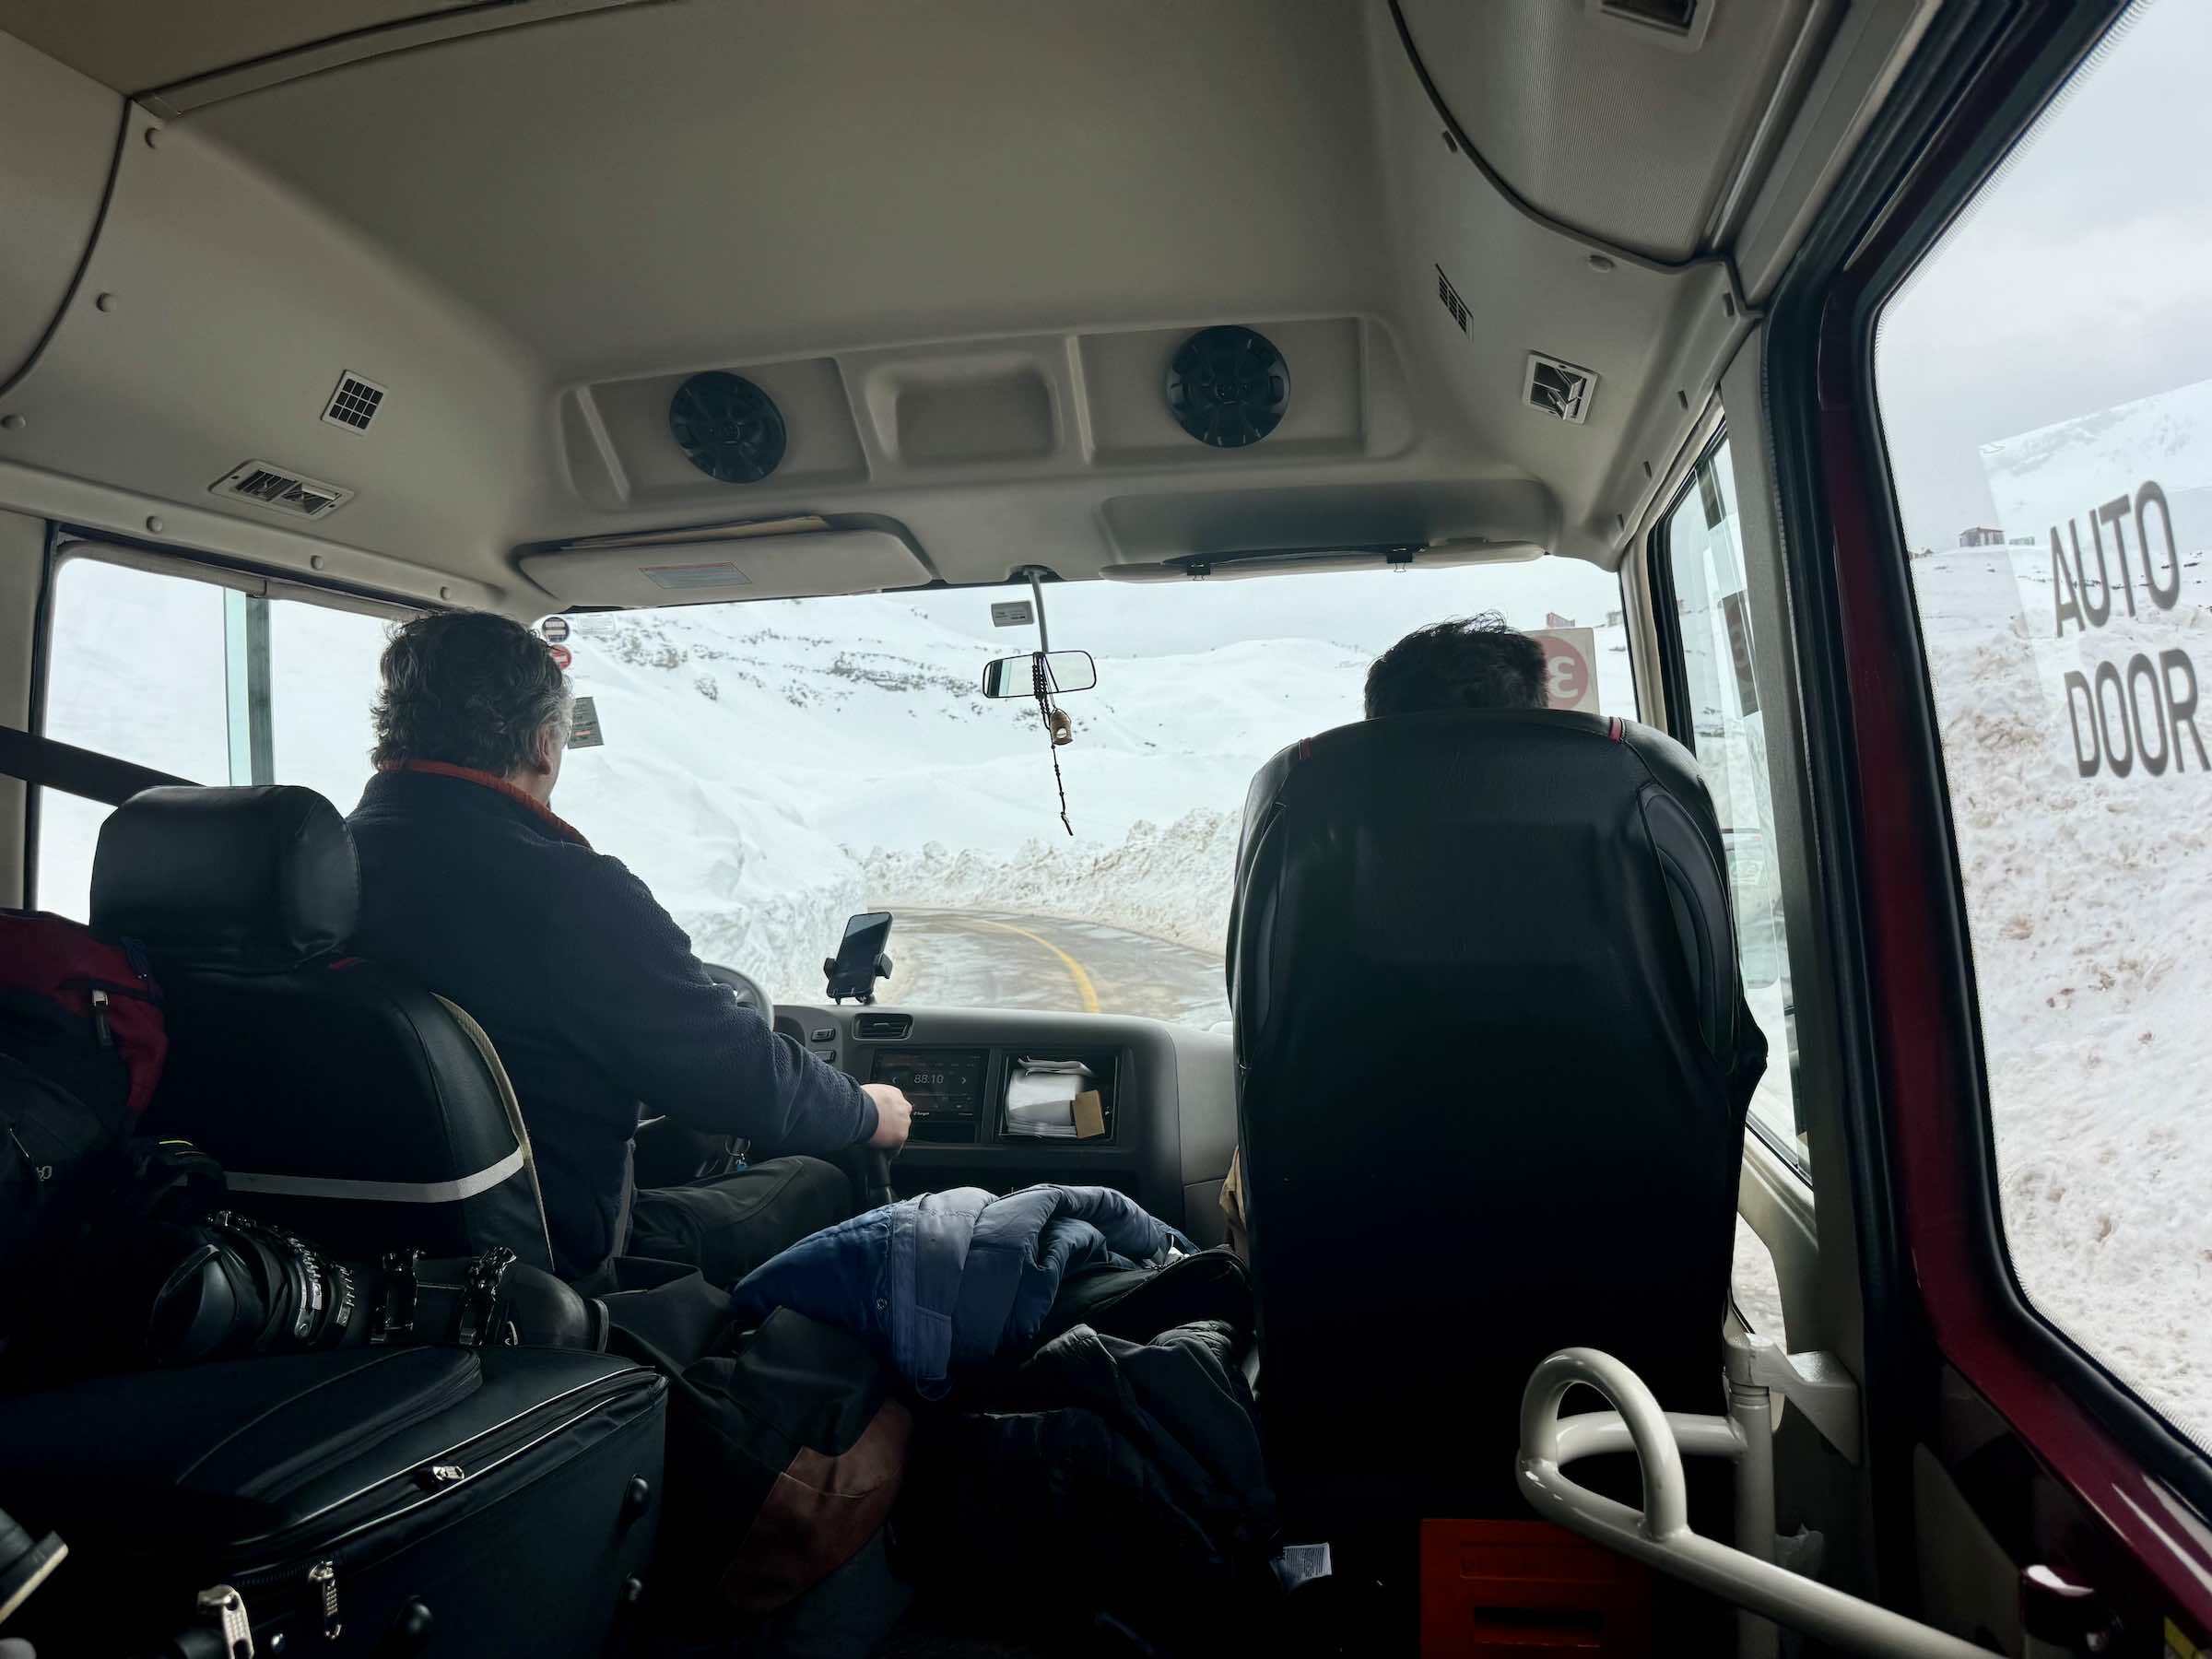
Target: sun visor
706,571
1229,567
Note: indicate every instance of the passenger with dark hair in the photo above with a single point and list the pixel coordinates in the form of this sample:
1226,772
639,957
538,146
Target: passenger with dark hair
587,988
1473,662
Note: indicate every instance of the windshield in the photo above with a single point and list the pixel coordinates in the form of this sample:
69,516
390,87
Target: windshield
770,768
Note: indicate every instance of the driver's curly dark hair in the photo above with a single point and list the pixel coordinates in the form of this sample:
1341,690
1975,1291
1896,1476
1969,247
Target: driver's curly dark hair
468,688
1473,662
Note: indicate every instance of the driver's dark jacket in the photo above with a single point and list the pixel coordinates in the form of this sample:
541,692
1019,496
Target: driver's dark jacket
587,988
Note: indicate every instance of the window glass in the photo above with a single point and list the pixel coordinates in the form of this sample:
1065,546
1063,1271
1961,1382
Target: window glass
770,768
203,681
1726,726
133,669
323,679
1755,1285
2044,382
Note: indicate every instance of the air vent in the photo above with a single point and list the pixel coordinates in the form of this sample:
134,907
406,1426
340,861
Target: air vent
1229,386
267,486
1680,24
1558,388
882,1027
729,427
354,404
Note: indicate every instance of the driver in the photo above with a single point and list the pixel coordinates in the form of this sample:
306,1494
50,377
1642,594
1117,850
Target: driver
587,988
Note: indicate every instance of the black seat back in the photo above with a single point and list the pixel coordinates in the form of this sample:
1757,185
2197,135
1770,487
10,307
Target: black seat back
1493,1062
343,1099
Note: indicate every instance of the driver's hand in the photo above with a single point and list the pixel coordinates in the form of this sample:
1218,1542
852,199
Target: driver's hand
894,1116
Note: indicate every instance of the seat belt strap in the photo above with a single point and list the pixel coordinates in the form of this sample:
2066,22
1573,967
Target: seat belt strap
77,772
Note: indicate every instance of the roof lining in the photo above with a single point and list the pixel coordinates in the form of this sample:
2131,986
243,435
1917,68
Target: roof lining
1513,199
358,45
84,261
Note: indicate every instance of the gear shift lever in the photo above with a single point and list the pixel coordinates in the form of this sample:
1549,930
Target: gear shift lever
879,1179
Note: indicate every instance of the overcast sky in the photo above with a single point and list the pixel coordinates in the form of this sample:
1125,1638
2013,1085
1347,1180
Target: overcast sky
2082,279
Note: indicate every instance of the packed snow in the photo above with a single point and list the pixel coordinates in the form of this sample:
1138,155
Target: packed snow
2090,898
771,769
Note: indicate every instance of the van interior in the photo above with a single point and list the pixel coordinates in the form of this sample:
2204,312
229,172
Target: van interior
951,450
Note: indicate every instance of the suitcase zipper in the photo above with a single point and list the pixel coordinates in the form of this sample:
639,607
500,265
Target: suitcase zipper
227,1609
323,1576
426,1482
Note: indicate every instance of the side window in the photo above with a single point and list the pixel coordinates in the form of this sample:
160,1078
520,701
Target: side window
2047,412
1724,725
207,682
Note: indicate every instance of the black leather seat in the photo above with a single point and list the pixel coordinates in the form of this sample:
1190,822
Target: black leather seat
342,1101
1493,1061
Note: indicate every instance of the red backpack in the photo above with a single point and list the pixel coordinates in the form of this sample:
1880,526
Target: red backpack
82,1013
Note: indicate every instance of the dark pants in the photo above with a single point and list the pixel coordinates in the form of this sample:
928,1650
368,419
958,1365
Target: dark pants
730,1224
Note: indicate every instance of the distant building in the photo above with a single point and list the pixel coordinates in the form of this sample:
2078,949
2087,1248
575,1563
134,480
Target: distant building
1613,619
1981,535
1553,619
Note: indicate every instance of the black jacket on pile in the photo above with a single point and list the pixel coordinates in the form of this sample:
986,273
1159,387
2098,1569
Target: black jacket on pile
588,990
1108,1475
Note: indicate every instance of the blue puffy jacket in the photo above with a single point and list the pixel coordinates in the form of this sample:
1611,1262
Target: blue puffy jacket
950,1279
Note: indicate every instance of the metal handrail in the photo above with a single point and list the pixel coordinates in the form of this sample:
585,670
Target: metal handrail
1659,1534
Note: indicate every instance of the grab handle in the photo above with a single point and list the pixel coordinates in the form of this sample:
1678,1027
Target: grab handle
1659,1534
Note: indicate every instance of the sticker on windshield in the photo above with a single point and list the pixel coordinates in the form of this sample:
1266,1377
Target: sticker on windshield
1570,668
585,734
555,629
1012,612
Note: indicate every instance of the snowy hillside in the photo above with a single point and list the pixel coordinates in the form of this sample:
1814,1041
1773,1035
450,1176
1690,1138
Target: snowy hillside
767,780
2090,898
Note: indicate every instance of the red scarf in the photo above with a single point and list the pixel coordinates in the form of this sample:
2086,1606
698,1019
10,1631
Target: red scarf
491,780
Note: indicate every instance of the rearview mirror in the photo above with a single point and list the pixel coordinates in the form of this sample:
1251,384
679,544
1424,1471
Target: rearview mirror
1017,675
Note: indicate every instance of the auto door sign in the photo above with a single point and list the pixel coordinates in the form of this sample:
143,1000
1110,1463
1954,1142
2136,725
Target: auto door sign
1570,668
555,629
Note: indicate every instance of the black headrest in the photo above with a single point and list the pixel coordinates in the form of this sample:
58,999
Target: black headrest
253,880
1439,826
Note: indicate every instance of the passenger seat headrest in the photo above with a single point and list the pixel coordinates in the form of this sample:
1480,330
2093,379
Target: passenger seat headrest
252,880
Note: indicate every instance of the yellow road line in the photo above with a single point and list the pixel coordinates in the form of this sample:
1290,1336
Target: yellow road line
1084,988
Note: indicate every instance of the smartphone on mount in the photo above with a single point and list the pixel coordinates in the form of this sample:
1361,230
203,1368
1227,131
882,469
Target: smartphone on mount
859,962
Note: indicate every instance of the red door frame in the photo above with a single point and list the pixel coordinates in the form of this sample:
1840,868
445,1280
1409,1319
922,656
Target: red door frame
1926,1057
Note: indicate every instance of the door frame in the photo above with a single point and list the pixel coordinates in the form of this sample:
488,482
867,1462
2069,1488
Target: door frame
1939,1287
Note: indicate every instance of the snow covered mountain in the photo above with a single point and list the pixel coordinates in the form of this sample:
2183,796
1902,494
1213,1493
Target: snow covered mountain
767,780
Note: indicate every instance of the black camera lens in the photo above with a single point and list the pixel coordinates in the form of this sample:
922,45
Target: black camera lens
248,1287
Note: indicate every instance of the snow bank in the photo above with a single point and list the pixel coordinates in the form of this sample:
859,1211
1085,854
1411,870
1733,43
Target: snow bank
1170,882
2089,905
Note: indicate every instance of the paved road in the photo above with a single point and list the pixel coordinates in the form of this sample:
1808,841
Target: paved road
1000,960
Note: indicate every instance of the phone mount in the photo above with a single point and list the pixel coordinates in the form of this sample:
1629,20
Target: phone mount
857,982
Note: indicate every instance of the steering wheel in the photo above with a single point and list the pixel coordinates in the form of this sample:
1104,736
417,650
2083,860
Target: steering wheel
672,1154
747,991
876,1167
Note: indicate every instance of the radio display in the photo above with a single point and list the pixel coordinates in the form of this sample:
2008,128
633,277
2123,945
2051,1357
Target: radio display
940,1082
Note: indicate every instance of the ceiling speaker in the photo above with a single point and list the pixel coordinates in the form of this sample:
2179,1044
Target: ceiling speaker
1228,386
731,430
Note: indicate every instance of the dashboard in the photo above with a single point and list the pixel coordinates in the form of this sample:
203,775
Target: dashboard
1004,1099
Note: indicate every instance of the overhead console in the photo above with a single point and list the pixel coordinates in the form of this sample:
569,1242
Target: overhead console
1006,1099
1021,406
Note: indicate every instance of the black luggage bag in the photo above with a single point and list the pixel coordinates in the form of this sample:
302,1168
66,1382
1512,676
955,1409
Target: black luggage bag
424,1501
